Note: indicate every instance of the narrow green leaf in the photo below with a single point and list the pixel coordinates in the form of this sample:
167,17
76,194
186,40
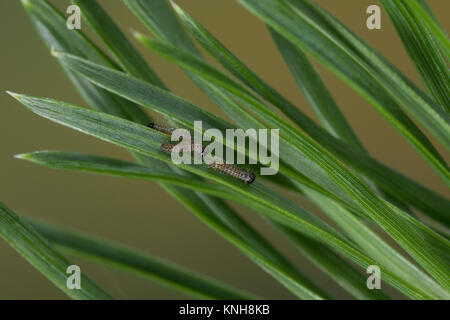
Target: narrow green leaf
135,262
159,171
421,11
429,12
423,50
123,51
158,18
39,253
144,140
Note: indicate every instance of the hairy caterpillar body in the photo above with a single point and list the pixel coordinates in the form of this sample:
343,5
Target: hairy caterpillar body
234,171
197,148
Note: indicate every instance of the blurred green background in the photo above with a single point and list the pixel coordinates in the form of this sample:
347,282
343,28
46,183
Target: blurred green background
138,213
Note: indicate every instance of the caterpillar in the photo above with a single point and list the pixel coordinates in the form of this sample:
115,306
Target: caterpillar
163,129
234,171
228,169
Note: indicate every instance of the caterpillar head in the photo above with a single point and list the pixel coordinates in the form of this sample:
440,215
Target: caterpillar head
248,177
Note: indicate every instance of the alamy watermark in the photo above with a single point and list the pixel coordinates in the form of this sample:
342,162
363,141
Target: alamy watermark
373,22
374,280
74,19
74,280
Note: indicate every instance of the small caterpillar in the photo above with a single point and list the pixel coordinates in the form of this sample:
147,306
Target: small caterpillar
228,169
163,129
234,171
